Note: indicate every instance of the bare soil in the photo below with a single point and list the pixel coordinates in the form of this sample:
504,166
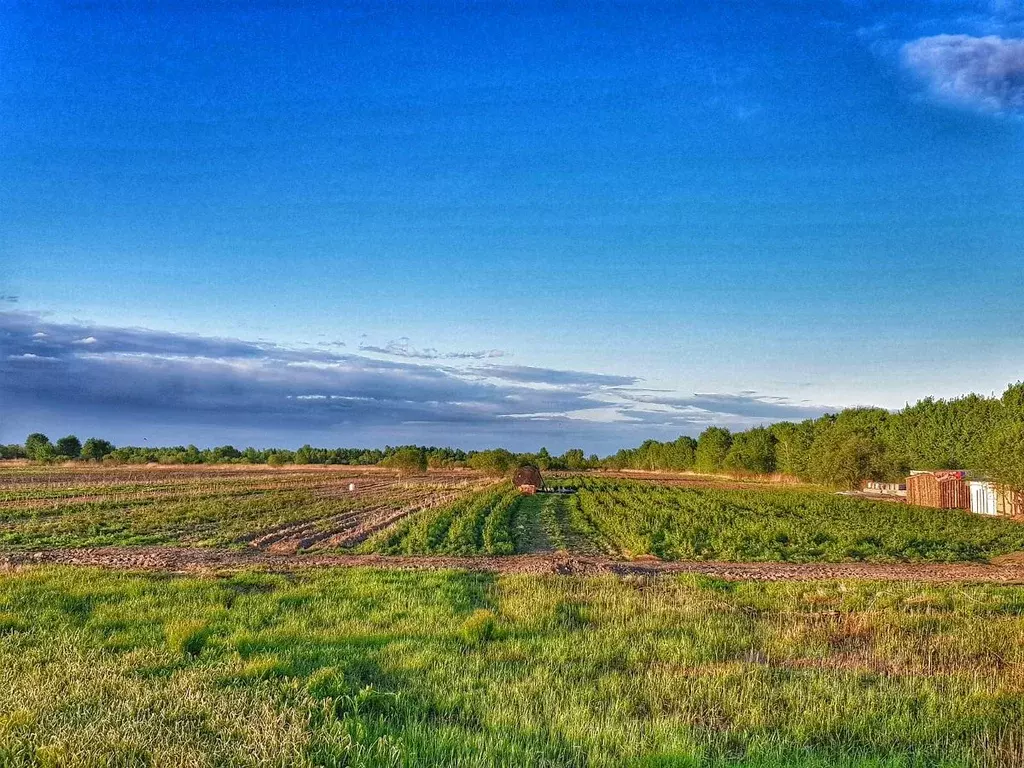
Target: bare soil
353,526
200,560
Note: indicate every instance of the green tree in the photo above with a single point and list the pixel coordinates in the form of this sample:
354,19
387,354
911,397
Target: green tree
277,458
69,447
12,451
1003,452
792,446
843,459
408,460
753,451
38,447
1003,460
712,448
542,460
95,449
574,459
224,453
493,462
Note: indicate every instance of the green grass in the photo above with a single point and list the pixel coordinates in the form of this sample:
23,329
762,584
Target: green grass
635,518
380,668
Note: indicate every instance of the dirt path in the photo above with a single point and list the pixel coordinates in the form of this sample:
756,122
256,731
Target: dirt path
531,534
190,560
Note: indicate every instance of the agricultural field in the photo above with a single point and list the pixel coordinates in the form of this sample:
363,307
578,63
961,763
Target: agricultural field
368,667
223,629
286,509
630,518
465,514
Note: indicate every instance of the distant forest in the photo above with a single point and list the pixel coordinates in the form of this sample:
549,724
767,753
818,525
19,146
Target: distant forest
981,434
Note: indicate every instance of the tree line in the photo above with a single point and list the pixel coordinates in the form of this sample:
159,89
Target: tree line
983,434
38,447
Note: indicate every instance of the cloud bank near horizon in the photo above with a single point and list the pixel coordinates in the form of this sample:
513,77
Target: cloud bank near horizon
129,383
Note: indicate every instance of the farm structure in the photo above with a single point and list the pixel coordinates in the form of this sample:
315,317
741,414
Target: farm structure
528,479
943,489
885,489
991,499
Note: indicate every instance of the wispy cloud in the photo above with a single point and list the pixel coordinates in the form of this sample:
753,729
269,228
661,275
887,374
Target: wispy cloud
403,348
981,73
747,405
525,374
154,375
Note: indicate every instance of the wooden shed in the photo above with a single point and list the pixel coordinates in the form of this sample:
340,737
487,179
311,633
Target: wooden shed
942,489
527,479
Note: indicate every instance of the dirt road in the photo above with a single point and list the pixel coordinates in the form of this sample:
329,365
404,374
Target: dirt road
205,560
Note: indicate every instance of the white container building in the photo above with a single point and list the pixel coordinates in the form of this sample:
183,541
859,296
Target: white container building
991,499
984,498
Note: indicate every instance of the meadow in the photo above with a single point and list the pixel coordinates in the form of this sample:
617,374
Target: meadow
366,667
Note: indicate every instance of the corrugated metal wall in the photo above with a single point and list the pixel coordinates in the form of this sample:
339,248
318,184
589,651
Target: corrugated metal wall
983,498
991,499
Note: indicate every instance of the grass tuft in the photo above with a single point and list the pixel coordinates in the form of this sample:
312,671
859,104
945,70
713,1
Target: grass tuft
479,627
10,623
188,638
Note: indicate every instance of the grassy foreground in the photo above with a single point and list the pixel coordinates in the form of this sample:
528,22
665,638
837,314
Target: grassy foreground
380,668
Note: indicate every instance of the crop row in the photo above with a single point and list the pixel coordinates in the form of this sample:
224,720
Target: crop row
479,523
637,518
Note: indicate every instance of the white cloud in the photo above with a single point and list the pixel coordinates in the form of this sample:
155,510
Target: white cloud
983,73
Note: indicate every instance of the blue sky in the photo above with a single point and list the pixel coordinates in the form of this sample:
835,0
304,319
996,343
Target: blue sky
519,224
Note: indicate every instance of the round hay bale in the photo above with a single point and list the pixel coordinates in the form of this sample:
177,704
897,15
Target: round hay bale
528,479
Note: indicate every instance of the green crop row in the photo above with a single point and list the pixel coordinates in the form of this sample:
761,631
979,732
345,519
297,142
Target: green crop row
637,518
479,523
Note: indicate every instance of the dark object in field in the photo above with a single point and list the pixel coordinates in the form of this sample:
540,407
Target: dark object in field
527,479
944,489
